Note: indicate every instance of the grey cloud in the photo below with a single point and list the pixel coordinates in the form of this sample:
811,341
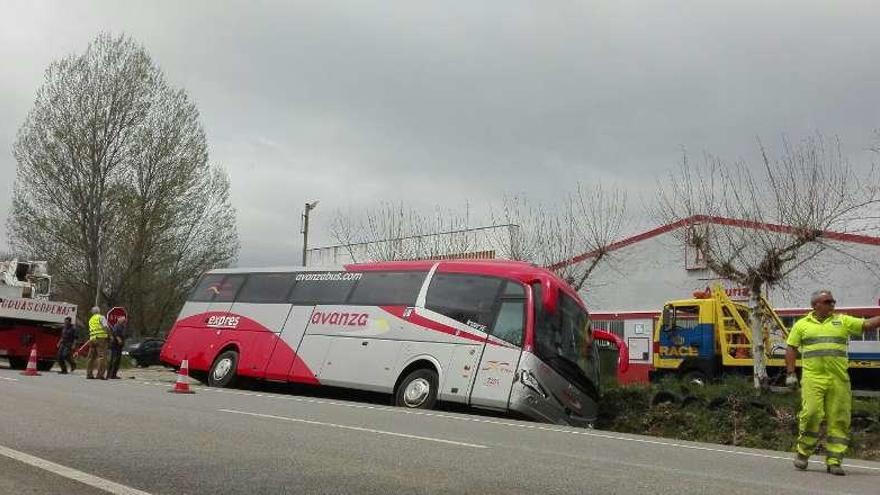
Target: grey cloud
441,103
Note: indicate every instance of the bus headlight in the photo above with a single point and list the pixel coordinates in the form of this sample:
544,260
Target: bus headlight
529,381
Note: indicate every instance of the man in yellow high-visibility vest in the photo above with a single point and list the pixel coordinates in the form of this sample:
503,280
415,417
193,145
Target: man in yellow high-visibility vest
99,336
823,339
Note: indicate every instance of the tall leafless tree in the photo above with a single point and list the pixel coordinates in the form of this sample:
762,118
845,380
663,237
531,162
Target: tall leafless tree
572,237
114,187
794,199
394,231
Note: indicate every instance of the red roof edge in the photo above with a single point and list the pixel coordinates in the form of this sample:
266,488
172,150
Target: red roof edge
751,224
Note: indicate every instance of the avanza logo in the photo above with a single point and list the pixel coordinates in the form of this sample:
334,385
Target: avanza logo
342,319
223,321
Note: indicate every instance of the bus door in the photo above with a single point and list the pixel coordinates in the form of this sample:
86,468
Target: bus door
501,354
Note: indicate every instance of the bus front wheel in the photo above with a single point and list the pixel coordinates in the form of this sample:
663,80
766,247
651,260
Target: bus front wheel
418,390
222,373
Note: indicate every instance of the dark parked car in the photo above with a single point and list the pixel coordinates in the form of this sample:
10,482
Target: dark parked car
145,353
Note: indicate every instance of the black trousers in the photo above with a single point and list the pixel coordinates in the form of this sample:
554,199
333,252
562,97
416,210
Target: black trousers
115,357
65,358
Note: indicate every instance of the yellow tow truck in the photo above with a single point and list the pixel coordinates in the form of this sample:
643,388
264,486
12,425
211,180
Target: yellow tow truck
702,338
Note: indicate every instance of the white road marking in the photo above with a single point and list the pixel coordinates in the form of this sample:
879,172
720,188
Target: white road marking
9,379
85,478
537,426
355,428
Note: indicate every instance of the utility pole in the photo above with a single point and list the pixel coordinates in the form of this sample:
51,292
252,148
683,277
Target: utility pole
305,228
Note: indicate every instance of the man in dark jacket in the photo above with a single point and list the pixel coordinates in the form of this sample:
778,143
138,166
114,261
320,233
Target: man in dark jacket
117,341
65,346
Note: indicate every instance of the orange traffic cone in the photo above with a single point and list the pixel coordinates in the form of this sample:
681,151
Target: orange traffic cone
181,386
31,369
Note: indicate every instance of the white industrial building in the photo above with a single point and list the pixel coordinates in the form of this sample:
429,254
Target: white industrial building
626,293
647,269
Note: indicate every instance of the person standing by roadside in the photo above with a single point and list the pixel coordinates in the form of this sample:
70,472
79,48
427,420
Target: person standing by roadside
117,341
823,339
98,336
65,346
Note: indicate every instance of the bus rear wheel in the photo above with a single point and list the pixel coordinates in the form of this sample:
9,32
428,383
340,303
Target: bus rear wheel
418,390
222,373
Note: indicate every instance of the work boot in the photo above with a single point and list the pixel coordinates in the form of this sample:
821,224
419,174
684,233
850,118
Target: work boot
801,461
836,470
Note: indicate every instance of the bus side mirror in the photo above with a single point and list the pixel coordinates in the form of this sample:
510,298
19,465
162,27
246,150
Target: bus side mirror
549,297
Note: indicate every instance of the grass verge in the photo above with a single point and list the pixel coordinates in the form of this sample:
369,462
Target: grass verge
727,413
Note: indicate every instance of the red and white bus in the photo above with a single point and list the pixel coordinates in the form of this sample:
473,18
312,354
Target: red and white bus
501,335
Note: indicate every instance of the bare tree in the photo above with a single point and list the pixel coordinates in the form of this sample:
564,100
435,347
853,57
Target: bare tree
572,237
394,231
783,208
114,187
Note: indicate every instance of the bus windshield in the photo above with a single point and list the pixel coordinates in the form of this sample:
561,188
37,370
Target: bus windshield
561,341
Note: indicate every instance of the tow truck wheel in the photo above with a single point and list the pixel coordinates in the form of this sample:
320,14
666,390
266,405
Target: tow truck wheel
45,365
418,390
222,373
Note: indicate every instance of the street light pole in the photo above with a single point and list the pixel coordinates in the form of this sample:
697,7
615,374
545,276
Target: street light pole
305,230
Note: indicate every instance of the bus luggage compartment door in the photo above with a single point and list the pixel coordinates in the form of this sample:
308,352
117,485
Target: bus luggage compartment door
363,363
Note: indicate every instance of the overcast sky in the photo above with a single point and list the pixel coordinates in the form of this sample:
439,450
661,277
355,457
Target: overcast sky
438,103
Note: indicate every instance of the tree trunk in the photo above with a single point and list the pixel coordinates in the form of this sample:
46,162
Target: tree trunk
760,368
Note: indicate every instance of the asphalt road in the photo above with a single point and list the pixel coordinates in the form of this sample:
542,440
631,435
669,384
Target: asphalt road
65,434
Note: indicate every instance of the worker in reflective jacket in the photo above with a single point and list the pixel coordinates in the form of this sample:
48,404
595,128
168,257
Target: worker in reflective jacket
823,338
99,333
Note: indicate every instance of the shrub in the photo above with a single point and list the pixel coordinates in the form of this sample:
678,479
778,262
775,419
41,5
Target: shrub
728,413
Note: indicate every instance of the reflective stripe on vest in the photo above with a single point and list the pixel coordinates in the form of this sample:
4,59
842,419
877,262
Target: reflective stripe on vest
825,346
823,353
825,340
96,329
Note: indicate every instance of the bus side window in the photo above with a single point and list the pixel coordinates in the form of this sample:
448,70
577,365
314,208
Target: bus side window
207,288
388,288
322,288
267,288
469,299
228,288
509,324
